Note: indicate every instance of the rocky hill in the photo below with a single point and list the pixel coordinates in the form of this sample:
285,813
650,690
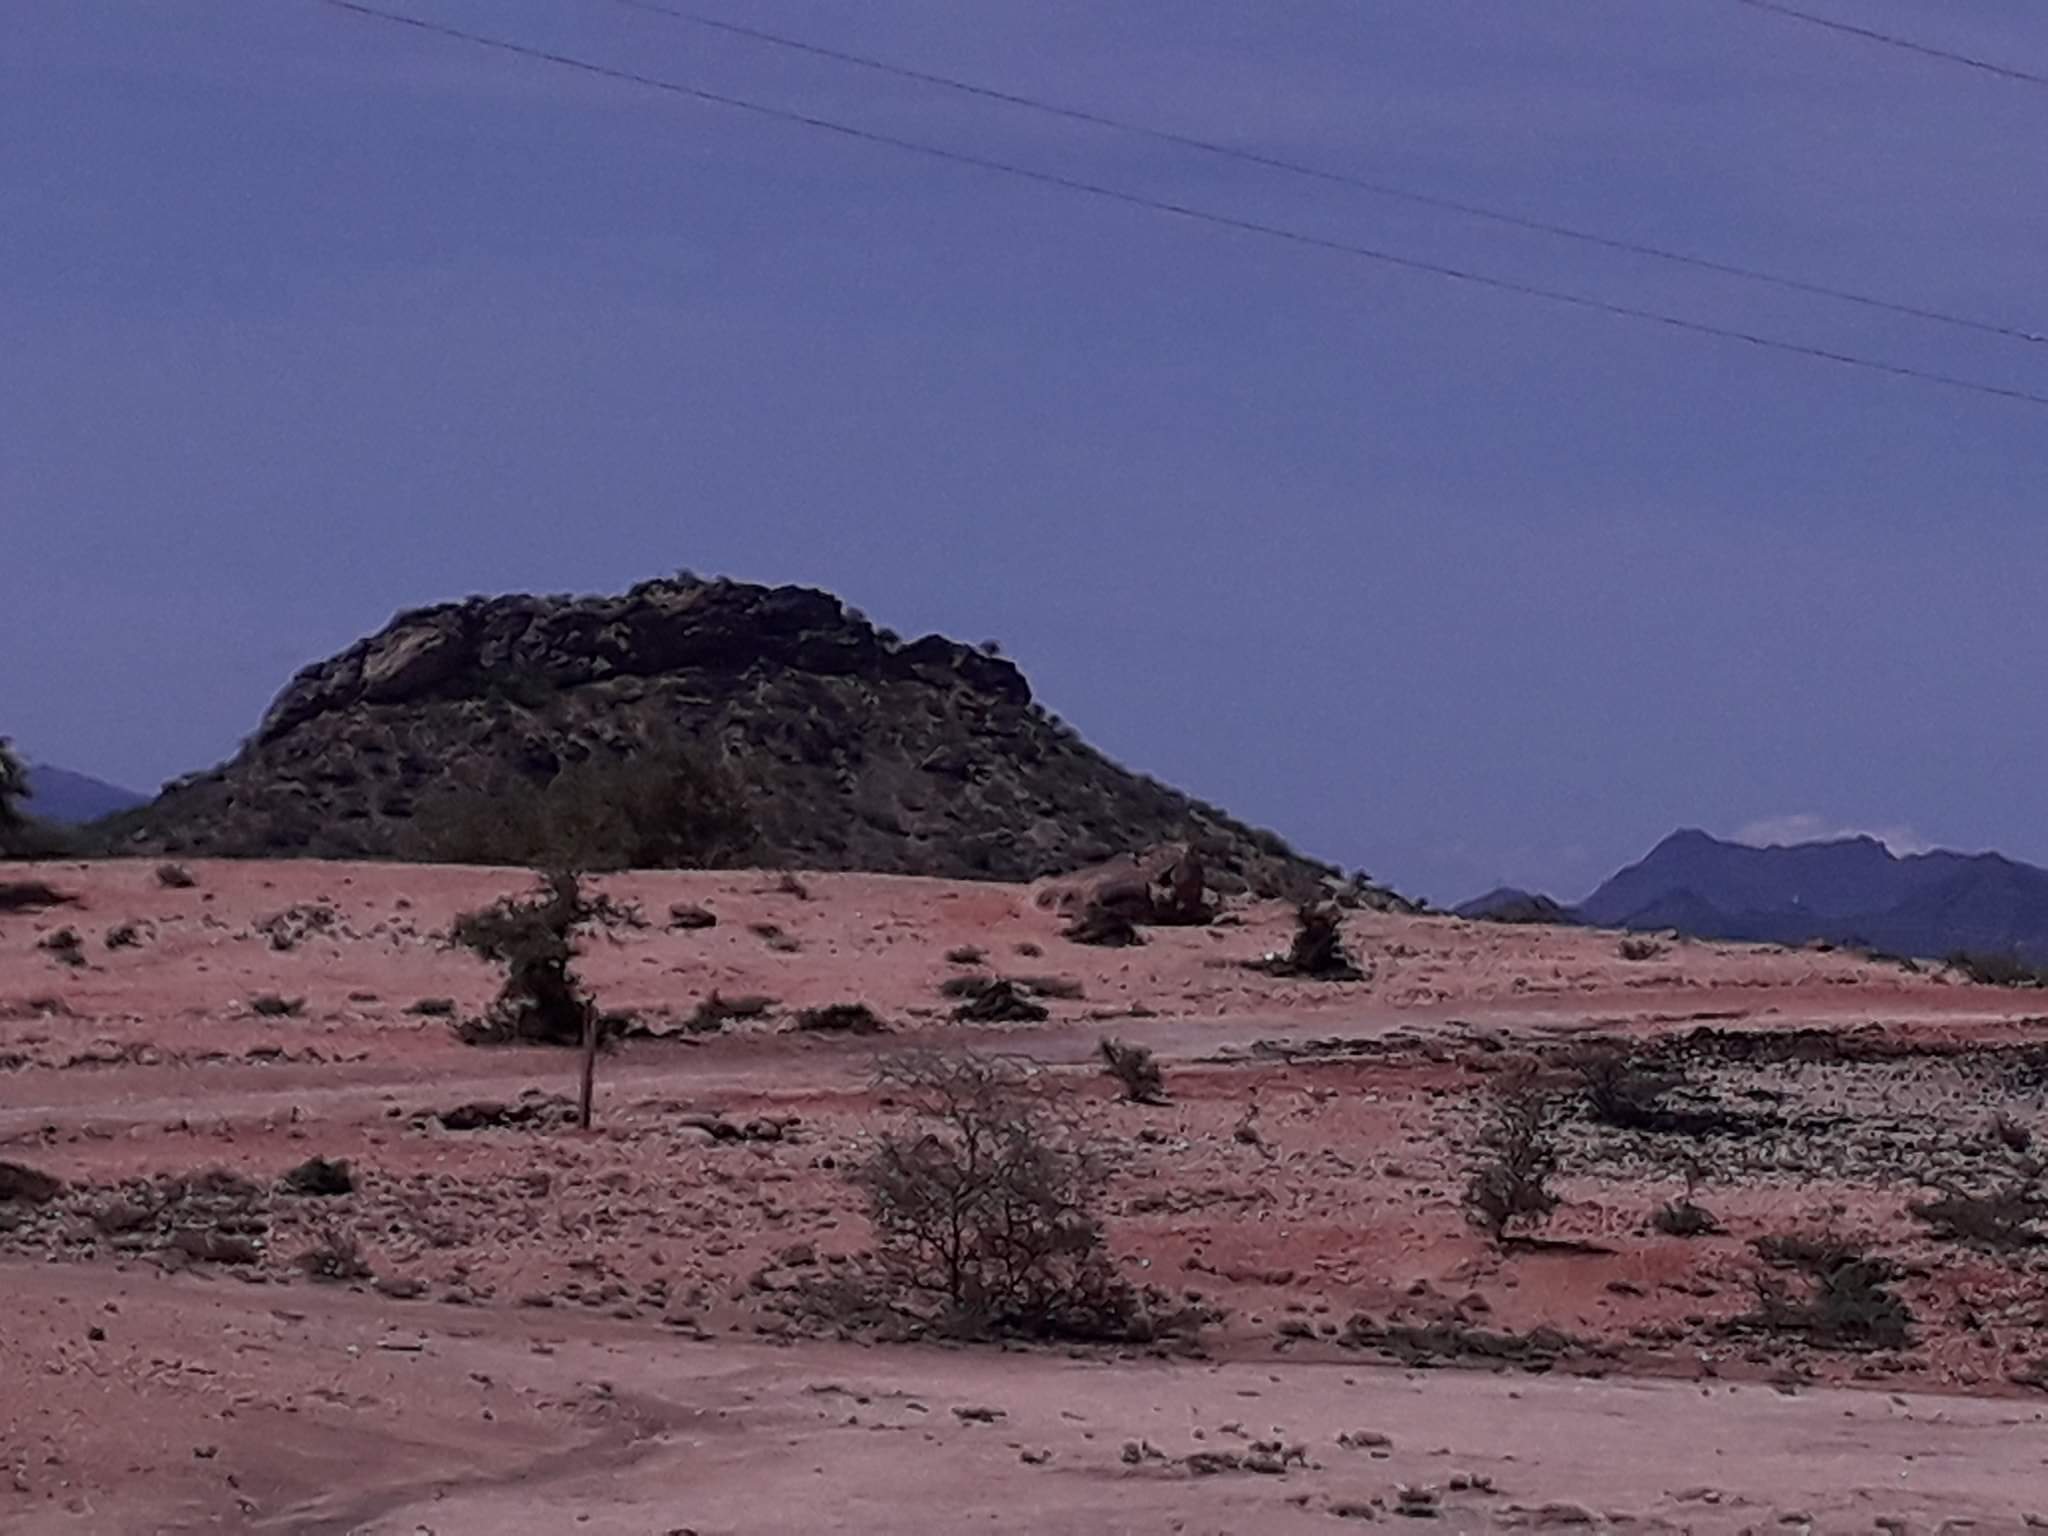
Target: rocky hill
853,749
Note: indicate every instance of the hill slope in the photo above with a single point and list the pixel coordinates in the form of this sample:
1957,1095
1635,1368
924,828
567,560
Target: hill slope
855,750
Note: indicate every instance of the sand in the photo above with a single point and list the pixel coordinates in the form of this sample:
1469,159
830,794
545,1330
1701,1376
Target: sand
617,1330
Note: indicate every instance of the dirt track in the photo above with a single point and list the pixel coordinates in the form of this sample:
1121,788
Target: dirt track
606,1333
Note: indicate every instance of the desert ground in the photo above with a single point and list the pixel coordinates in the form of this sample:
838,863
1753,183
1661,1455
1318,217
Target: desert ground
634,1328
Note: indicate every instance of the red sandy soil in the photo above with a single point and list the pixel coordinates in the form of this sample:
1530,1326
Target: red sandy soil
614,1331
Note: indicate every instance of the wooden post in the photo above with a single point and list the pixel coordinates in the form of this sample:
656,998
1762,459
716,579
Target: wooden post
589,1065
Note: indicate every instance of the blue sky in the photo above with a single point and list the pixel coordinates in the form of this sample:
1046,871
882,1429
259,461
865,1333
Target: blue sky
309,319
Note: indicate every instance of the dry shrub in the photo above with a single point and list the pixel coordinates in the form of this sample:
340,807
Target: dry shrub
2002,1220
1136,1071
985,1204
842,1019
659,808
271,1006
32,896
22,1184
1993,969
1849,1303
1683,1218
995,1000
335,1257
1317,951
175,877
1640,949
320,1177
1510,1182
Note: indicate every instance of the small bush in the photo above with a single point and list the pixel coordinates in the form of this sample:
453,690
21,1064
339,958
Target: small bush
1136,1071
966,954
24,1185
1992,969
321,1177
1682,1218
1849,1304
433,1008
985,1204
270,1006
994,1000
788,884
842,1019
688,917
1317,951
1640,949
175,877
32,896
123,936
2002,1220
1510,1182
336,1258
1618,1092
64,946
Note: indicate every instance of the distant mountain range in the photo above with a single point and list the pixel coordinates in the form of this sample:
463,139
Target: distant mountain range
69,799
1851,891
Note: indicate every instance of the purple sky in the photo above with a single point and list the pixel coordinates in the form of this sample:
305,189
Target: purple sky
307,319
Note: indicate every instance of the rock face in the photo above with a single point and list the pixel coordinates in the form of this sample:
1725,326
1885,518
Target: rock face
857,751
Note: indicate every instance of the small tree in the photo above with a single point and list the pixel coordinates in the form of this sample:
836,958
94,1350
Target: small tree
986,1203
542,1001
1510,1183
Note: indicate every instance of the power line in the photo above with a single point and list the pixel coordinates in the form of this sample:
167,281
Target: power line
1894,40
1186,211
1337,178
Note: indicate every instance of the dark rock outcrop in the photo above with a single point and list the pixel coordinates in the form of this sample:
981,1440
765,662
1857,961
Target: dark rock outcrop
855,750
